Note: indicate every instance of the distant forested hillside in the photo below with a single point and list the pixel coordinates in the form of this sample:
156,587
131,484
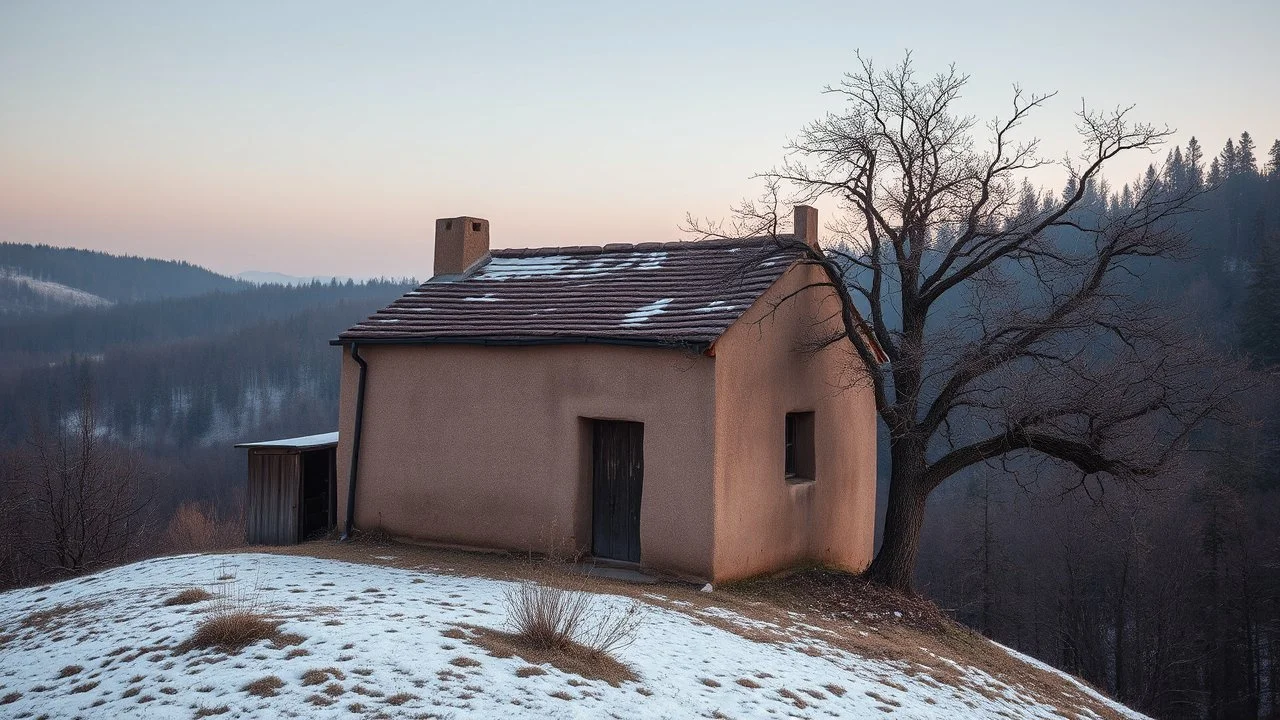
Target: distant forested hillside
25,340
174,364
116,278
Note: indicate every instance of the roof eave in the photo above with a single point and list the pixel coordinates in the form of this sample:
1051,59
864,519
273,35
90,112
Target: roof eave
695,346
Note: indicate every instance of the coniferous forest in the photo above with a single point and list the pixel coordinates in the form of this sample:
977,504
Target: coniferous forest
1167,597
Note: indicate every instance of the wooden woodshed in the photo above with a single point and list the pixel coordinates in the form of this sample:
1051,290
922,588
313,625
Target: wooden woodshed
292,494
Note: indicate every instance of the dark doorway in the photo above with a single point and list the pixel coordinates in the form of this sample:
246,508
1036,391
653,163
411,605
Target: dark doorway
617,474
318,497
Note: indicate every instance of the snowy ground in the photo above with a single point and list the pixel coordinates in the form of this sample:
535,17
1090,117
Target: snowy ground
105,648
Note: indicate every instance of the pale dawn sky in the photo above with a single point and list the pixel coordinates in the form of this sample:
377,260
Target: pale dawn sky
325,138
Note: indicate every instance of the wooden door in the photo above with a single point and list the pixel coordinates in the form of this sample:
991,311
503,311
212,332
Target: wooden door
617,456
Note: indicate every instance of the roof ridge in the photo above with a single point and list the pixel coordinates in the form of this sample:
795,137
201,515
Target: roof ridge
679,245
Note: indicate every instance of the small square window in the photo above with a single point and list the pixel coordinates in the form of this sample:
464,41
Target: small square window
798,462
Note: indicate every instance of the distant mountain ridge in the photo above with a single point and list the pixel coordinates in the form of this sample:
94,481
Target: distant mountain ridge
115,278
266,277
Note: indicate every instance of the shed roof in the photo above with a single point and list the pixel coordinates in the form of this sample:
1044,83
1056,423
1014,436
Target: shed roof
679,293
306,442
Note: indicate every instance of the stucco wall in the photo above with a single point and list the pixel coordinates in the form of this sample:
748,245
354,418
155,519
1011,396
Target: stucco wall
764,522
484,446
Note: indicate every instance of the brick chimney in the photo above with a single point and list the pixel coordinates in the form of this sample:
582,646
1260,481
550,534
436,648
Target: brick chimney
460,242
805,224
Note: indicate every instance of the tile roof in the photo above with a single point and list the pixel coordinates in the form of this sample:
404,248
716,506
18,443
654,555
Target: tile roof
680,293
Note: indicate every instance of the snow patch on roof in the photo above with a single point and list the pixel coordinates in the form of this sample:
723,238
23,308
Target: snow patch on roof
566,266
306,441
642,314
487,297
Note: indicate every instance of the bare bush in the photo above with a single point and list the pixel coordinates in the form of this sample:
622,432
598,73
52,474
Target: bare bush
553,618
84,497
197,527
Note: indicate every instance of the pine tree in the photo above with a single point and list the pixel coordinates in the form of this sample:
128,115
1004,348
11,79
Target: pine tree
1260,316
1215,173
1175,170
1126,198
1228,157
1246,161
1195,163
1273,165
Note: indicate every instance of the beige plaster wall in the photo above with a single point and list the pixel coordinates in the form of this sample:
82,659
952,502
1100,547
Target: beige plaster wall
484,446
764,522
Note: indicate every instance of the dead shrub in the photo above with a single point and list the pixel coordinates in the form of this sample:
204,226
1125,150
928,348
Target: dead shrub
197,527
551,618
190,596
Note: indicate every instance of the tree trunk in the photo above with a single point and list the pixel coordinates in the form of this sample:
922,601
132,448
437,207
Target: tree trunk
895,564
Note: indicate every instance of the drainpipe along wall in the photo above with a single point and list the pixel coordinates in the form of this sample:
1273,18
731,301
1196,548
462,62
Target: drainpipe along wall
355,441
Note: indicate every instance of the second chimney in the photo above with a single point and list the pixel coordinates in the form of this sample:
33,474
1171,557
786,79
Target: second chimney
805,224
460,242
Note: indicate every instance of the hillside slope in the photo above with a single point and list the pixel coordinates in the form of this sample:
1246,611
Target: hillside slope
117,278
363,640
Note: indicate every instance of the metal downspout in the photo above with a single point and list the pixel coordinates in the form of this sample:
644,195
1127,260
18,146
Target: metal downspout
355,442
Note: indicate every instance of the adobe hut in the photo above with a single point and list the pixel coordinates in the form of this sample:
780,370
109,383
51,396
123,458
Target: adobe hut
292,492
649,404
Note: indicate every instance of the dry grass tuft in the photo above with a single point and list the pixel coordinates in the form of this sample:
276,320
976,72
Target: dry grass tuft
57,616
570,657
709,682
747,683
231,632
834,689
70,670
84,687
464,661
12,697
400,698
190,596
529,671
203,711
264,687
794,698
320,700
320,676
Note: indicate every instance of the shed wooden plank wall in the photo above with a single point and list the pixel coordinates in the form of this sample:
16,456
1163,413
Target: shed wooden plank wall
274,479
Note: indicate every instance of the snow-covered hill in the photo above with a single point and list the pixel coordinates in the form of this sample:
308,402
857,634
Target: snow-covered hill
53,293
364,641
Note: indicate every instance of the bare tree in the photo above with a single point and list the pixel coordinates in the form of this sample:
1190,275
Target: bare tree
1011,317
84,498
